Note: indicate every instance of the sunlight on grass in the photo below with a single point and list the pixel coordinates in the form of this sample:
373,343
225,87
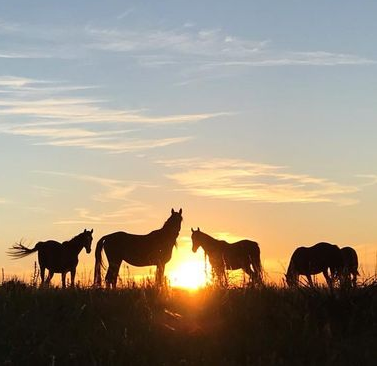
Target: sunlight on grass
189,275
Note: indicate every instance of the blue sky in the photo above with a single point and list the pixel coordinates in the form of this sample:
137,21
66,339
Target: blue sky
257,118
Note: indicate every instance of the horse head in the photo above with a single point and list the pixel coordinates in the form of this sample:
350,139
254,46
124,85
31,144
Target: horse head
172,225
195,238
87,239
291,279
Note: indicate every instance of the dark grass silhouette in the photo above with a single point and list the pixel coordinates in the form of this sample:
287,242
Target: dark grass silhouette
56,257
319,258
151,249
213,326
350,266
244,254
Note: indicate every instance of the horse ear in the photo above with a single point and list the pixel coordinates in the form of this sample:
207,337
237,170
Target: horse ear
172,211
84,230
198,229
192,230
91,231
180,211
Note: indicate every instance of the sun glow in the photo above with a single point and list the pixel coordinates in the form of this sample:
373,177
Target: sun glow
190,275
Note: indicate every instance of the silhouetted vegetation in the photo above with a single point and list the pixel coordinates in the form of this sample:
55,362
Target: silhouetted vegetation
213,326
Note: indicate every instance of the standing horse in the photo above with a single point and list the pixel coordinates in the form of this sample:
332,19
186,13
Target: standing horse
222,255
350,264
313,260
153,249
57,257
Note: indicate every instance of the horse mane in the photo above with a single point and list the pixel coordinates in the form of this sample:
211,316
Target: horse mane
214,240
73,240
169,228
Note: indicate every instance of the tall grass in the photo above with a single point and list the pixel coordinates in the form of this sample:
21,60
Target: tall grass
143,325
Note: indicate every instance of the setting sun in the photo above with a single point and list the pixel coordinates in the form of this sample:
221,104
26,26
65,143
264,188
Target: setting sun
190,275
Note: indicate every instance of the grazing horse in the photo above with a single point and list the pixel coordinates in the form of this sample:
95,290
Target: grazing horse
153,249
313,260
350,264
222,255
57,257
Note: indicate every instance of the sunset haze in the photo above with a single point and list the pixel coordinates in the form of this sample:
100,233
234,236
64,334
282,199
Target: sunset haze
258,119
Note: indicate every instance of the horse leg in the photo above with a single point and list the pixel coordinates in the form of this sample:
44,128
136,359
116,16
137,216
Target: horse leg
354,279
328,279
73,274
49,277
222,276
42,275
310,281
112,274
225,275
160,270
255,262
250,273
63,279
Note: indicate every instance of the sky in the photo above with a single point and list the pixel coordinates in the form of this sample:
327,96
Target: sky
257,118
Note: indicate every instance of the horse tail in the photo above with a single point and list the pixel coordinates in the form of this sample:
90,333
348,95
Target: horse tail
18,250
99,263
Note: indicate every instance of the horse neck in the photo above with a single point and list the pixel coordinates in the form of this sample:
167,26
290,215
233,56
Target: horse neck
75,245
292,274
170,233
208,243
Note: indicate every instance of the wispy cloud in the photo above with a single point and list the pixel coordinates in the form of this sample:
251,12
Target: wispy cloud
28,54
188,46
16,81
108,145
45,191
113,200
130,213
209,48
240,180
81,110
16,85
372,179
43,112
8,27
125,13
111,189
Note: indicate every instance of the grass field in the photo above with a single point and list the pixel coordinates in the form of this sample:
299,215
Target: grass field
212,326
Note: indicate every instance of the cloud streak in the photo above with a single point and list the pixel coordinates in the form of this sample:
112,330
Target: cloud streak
58,120
240,180
211,48
187,47
111,189
112,197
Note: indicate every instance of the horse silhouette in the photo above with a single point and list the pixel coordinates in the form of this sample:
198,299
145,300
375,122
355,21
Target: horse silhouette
350,265
151,249
222,255
312,260
56,257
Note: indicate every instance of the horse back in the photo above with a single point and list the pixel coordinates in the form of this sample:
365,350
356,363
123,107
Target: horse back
239,254
49,246
124,240
138,250
316,259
